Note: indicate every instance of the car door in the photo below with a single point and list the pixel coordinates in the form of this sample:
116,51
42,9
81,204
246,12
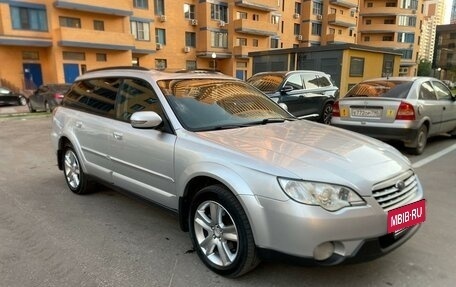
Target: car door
448,106
292,95
93,102
143,159
314,97
428,106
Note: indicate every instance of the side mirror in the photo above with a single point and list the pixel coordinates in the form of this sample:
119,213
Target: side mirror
286,89
144,120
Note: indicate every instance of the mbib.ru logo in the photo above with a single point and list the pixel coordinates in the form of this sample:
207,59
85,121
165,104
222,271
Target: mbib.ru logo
406,216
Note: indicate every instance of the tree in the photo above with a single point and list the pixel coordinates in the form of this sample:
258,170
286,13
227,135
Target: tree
425,68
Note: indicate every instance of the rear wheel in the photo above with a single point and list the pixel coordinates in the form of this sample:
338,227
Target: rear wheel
22,101
74,175
326,114
221,233
420,141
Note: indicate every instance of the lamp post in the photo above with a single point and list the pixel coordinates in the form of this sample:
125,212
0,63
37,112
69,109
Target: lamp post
214,55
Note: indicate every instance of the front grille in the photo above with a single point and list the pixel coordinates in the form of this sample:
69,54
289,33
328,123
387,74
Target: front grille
394,192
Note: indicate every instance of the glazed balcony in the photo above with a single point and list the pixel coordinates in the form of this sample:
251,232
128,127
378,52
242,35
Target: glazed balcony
345,3
118,8
342,20
255,27
263,5
71,37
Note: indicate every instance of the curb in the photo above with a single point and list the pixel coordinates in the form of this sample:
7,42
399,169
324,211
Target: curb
24,115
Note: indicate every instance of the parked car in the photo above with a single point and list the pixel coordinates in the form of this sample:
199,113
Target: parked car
10,98
247,179
307,94
407,109
47,97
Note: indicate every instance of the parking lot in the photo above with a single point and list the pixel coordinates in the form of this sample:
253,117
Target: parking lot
51,237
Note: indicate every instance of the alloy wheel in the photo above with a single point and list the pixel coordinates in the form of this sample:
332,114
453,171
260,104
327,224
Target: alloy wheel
72,169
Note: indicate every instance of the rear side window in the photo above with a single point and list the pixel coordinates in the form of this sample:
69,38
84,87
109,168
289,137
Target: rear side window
324,82
427,92
443,94
310,81
95,96
385,89
295,81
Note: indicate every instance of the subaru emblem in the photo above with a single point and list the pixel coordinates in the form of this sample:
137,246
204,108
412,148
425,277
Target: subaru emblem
400,185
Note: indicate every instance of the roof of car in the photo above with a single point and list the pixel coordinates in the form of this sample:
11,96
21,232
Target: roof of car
155,74
403,79
283,73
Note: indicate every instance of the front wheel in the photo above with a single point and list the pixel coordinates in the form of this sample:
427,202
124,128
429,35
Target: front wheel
74,175
22,101
221,233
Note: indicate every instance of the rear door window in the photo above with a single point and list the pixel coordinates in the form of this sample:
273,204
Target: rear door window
295,81
443,93
427,92
324,82
310,80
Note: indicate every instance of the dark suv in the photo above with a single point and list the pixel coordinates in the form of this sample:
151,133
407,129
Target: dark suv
307,94
47,97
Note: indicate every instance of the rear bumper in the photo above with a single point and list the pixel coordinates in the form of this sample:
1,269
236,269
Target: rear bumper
405,131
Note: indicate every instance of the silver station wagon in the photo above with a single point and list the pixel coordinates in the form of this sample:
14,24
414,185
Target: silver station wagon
247,179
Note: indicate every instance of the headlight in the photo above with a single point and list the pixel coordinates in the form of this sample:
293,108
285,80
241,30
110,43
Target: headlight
329,196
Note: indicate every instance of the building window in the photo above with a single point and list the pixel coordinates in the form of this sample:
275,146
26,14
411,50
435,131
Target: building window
241,42
356,67
241,15
140,30
274,43
160,64
70,22
387,38
409,4
367,38
98,25
406,54
297,29
256,17
332,11
369,4
317,8
190,65
388,21
332,31
159,7
297,8
135,62
275,19
143,4
160,36
255,42
368,21
102,57
189,11
316,29
406,37
190,39
75,56
390,4
29,18
219,39
407,21
219,12
30,55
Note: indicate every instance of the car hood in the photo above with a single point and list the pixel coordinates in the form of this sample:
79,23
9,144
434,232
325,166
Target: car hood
311,151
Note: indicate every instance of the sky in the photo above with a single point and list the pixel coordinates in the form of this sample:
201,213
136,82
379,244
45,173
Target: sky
448,4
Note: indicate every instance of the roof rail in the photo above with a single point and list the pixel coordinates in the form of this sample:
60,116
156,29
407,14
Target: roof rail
120,68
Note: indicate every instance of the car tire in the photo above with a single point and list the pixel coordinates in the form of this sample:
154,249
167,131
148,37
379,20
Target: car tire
22,101
221,233
420,141
30,107
75,177
326,114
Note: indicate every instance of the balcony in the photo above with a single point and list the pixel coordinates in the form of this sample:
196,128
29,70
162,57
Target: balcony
342,20
263,5
255,27
243,51
337,39
118,8
386,11
384,28
345,3
71,37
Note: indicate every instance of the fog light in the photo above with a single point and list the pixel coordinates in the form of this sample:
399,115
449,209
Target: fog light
324,251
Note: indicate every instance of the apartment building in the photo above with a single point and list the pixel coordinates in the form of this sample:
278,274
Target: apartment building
444,61
433,15
395,24
53,41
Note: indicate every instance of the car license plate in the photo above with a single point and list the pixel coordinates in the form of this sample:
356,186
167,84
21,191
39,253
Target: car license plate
366,113
406,216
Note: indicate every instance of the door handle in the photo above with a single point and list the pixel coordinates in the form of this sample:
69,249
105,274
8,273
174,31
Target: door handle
117,136
79,124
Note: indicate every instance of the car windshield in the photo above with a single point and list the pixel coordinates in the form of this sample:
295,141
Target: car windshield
211,104
266,83
384,89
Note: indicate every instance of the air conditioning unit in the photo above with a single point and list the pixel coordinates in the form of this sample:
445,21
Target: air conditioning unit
159,46
319,17
187,49
299,37
296,15
194,22
162,18
222,23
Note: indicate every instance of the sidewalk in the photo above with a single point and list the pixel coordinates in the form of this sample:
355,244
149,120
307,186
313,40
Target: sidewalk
13,109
